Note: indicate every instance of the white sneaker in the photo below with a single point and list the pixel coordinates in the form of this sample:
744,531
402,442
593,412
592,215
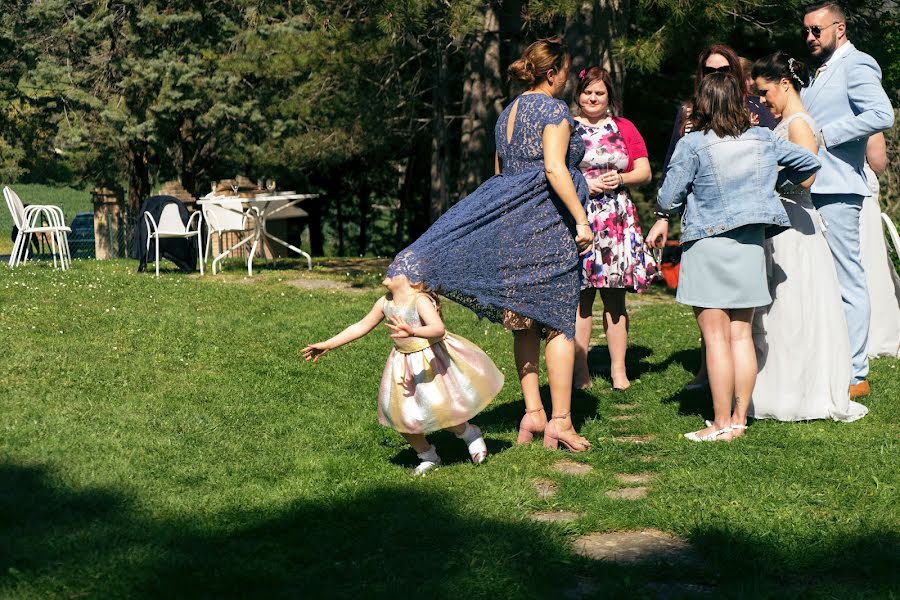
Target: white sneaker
430,460
425,466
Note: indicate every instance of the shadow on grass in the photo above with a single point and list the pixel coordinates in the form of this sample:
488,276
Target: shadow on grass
381,542
635,362
451,449
503,417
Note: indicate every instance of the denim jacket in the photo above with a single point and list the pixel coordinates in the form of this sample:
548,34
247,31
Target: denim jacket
721,183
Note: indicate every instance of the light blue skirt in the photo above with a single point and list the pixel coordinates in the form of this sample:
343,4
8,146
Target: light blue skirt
725,271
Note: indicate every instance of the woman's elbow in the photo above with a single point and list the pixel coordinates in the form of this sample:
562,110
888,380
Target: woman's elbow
808,183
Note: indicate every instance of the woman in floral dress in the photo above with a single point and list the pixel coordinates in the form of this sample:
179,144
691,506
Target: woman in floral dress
615,158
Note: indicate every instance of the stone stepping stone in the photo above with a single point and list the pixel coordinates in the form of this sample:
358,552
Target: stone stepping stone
634,439
554,516
624,406
634,547
634,478
570,467
664,590
583,587
635,493
621,418
544,488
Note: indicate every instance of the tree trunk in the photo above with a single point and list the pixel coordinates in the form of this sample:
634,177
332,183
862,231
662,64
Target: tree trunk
340,224
316,237
591,33
412,216
188,151
440,142
483,97
365,206
138,178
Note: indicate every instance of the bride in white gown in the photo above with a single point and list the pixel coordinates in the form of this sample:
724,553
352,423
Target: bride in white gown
881,278
802,346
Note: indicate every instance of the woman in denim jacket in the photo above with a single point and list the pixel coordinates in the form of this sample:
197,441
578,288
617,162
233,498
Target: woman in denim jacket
722,176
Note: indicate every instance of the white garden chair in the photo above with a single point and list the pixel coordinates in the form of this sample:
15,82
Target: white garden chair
171,226
892,232
28,220
227,217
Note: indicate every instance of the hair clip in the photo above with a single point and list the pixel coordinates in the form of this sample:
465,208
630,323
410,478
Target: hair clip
791,63
581,74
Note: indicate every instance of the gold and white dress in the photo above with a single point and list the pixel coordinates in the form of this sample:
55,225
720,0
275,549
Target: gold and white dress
432,384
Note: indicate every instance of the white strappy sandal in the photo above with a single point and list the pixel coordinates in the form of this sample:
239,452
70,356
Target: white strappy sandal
733,426
709,437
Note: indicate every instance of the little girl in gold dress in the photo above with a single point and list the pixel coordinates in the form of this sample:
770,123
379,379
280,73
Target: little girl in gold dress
433,380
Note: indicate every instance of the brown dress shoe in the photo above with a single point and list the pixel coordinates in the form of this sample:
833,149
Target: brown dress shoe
860,390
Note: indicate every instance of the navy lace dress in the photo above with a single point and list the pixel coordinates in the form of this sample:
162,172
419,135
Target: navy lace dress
510,244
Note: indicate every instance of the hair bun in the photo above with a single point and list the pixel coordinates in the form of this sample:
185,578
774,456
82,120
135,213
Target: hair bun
522,70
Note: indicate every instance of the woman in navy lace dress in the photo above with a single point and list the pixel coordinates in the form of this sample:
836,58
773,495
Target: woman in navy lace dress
510,250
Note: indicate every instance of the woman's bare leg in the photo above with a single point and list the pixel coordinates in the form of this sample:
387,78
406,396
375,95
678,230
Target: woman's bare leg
615,324
715,325
527,350
744,354
560,357
584,323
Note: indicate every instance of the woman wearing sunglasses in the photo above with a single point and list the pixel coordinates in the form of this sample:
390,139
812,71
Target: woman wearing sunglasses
717,58
722,177
801,341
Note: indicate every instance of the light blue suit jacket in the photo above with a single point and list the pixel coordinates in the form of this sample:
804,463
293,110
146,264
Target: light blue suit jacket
848,104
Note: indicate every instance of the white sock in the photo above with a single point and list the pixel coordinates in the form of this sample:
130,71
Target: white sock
477,448
429,455
470,434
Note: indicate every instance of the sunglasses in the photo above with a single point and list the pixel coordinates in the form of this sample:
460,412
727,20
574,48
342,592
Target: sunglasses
815,30
711,70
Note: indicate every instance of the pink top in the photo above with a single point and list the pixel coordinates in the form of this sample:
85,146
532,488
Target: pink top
634,143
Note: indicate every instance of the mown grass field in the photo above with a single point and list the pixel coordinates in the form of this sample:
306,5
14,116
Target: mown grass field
162,438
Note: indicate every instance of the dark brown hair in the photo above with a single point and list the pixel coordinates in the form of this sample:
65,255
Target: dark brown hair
778,66
594,74
733,61
541,57
720,106
836,10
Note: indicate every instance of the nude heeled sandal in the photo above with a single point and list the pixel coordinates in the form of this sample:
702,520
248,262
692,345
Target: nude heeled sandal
552,439
526,432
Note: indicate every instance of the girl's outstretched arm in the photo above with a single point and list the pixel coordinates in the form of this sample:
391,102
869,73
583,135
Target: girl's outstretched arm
353,332
432,325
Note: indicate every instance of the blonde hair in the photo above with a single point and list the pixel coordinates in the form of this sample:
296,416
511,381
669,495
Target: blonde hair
424,289
539,58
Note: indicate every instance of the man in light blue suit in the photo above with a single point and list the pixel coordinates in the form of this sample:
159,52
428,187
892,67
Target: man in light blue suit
848,104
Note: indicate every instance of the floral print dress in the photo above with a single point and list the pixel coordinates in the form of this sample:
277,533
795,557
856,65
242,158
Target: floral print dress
619,258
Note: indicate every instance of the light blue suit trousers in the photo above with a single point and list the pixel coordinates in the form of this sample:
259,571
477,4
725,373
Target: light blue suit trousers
848,105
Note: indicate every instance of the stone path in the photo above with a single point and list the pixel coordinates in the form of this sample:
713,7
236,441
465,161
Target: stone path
552,516
570,467
545,488
641,547
634,547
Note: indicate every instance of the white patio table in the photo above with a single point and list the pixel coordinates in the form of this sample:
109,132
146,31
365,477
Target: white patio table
261,208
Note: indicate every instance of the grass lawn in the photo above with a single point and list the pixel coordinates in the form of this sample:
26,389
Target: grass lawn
162,438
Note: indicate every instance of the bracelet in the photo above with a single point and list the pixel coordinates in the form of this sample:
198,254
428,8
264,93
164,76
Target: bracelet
577,224
621,180
661,215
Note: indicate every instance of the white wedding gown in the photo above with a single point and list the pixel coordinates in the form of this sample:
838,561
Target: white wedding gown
881,279
801,340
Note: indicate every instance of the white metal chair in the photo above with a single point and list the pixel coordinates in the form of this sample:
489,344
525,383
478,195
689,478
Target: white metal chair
892,232
227,217
277,209
171,226
28,220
